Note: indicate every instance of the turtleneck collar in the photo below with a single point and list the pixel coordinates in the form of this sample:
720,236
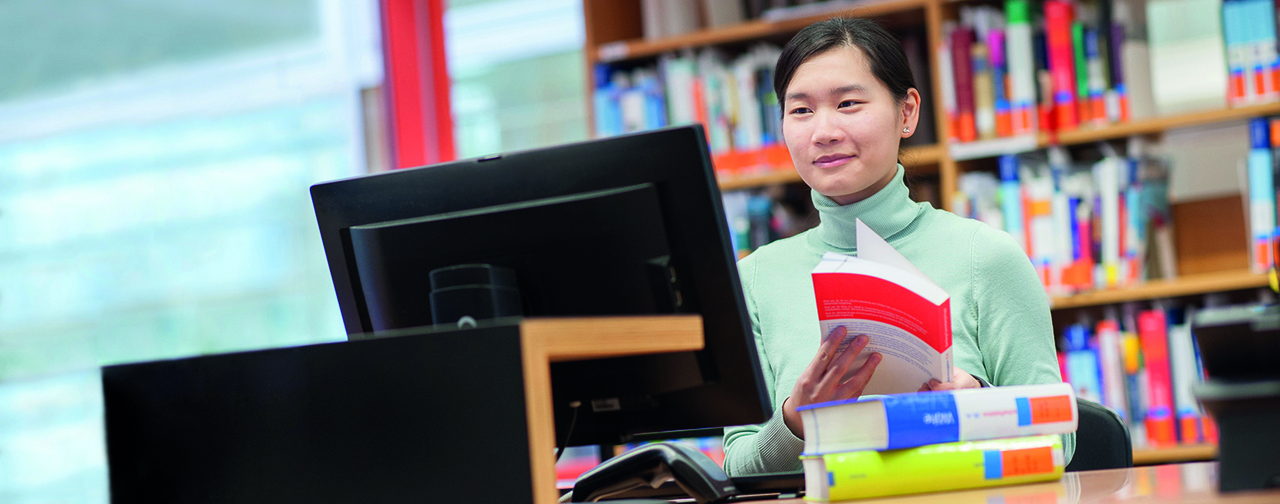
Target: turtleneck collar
887,212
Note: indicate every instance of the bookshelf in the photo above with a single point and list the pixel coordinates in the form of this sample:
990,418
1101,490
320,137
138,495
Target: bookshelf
1156,125
1158,289
1179,453
614,35
634,47
1211,257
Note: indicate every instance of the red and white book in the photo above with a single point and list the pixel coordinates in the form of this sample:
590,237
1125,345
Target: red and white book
881,294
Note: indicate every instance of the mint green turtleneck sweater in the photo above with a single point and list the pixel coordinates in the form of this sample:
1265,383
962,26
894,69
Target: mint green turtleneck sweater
1001,329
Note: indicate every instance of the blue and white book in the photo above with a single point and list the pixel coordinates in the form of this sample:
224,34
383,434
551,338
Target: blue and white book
895,421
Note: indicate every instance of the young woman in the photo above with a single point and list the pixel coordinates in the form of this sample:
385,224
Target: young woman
848,99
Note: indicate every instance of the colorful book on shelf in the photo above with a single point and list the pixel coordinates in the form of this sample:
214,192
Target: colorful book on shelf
1061,62
882,295
1153,330
1188,66
1111,360
947,81
1185,373
1022,68
932,468
1262,196
1082,364
966,130
908,420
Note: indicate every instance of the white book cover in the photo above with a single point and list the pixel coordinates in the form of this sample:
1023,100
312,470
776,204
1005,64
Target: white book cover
897,421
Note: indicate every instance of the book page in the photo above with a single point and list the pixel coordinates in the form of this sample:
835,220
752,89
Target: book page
906,361
874,248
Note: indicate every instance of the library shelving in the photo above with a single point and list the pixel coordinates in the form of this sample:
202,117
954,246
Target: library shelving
1156,125
1211,262
1159,289
1171,454
632,46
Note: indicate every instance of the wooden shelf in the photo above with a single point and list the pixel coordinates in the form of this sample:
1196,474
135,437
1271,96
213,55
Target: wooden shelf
992,148
748,31
1180,453
1161,124
928,155
1156,289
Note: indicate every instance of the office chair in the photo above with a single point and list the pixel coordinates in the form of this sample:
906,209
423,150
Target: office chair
1102,439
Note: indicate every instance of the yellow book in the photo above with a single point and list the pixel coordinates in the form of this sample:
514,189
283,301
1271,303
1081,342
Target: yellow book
932,468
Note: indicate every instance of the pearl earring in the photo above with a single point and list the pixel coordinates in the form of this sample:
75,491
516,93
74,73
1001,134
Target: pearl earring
905,130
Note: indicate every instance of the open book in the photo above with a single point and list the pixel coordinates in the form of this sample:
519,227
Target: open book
881,294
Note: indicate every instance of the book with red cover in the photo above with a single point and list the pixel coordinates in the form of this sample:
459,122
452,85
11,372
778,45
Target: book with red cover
882,295
1161,426
961,46
1060,48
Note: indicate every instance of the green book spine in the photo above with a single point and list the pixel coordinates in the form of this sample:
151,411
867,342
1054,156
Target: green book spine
1082,63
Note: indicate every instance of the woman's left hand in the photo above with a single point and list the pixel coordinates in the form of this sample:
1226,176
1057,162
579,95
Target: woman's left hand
960,380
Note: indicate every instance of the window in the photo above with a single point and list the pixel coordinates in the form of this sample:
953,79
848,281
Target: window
155,160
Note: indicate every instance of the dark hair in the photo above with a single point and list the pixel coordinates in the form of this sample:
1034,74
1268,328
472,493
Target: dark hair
883,52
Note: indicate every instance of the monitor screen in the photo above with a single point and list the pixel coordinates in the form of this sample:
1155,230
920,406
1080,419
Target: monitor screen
619,226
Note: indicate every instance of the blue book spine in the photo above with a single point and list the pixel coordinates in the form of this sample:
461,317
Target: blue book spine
921,419
1262,197
1083,364
1011,199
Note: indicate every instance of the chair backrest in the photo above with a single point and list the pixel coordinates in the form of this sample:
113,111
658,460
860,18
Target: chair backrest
1102,439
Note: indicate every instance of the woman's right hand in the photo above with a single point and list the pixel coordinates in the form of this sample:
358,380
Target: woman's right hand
820,381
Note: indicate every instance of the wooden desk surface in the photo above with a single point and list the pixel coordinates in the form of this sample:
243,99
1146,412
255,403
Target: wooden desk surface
1195,482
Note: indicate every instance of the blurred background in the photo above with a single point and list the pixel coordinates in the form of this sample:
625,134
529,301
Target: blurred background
155,160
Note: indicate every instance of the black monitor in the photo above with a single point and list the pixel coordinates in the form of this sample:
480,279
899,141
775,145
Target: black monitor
619,226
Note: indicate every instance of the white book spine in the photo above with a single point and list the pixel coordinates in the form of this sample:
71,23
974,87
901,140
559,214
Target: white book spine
1022,78
906,420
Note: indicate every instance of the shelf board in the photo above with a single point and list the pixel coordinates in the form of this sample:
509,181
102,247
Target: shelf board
928,155
1150,126
1179,453
751,30
1161,124
1156,289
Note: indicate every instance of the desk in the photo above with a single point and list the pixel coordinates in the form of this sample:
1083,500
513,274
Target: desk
1166,484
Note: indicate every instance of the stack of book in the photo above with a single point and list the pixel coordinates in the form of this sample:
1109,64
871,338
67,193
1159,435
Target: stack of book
935,441
1143,366
911,442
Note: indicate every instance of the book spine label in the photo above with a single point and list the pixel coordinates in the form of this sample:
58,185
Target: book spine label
1016,411
942,417
921,420
933,468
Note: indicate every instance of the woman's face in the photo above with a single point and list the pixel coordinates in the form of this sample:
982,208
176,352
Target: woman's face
842,126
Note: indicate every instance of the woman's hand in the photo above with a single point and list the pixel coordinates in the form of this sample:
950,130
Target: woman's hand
821,380
960,380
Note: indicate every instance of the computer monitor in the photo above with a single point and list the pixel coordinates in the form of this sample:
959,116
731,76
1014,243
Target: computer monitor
618,226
